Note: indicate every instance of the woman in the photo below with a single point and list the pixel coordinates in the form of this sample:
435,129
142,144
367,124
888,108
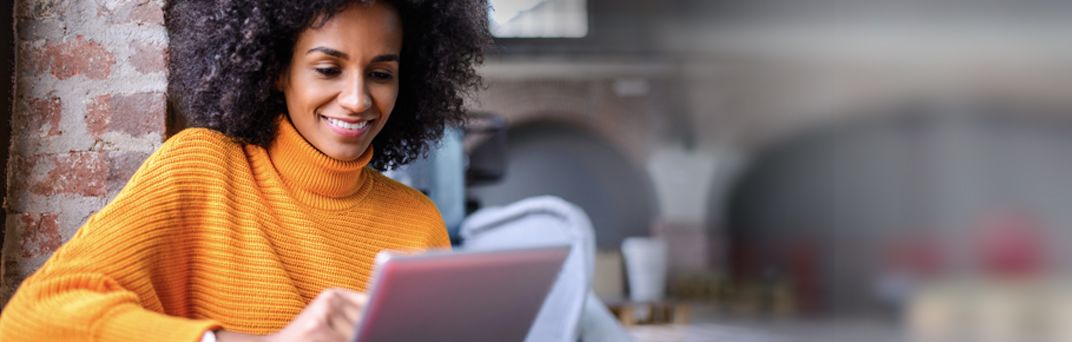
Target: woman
263,223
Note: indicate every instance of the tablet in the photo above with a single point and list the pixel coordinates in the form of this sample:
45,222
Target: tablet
484,295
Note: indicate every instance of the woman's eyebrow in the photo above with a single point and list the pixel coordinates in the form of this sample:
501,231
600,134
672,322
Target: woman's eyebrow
329,51
339,54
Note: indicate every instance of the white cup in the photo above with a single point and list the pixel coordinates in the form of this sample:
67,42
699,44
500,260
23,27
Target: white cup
645,267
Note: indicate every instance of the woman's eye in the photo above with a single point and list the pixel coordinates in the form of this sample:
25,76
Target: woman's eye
328,71
381,75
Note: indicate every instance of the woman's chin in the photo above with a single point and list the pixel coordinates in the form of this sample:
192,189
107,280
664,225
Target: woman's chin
347,154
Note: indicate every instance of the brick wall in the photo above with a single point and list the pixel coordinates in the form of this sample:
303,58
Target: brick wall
89,107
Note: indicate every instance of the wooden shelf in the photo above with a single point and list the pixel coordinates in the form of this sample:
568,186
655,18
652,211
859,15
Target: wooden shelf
638,313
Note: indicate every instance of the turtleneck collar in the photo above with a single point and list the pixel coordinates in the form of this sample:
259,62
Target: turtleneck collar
311,175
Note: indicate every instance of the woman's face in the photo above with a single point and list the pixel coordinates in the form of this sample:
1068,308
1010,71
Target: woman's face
343,79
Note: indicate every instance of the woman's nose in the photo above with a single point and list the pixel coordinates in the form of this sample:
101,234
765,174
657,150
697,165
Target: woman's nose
355,98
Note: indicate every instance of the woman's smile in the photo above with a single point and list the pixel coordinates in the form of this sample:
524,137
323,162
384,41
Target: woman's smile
347,128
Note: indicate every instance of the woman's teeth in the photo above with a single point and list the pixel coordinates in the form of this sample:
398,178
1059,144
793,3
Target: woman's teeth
347,125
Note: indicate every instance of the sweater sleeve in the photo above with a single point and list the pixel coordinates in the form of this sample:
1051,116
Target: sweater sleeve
121,277
439,238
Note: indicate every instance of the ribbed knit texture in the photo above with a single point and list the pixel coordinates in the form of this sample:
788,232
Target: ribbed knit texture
210,234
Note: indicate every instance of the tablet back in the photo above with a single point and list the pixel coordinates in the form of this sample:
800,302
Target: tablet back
491,295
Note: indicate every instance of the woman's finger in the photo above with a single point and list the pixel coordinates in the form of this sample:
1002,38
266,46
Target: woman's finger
345,309
352,304
342,325
357,298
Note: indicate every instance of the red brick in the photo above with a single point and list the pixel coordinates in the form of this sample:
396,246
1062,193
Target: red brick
80,56
135,114
147,58
40,234
97,113
73,173
43,116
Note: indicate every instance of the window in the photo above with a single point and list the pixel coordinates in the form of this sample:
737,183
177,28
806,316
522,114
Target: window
539,18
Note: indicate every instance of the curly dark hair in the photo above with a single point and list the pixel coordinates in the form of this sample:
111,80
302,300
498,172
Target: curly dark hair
226,54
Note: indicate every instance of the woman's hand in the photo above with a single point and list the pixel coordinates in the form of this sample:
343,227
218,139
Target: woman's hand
331,316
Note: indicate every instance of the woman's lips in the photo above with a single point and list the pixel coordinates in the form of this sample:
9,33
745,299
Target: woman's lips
347,128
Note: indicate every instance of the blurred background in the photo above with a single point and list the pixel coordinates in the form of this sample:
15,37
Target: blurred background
900,167
763,170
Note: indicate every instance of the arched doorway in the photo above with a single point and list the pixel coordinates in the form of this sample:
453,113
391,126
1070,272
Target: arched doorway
556,158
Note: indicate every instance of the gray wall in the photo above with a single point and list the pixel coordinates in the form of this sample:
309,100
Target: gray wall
936,182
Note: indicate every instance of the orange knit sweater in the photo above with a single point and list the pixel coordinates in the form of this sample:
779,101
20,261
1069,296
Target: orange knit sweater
214,234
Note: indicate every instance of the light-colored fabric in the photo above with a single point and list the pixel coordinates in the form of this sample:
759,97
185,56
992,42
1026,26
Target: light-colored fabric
213,234
544,220
598,324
